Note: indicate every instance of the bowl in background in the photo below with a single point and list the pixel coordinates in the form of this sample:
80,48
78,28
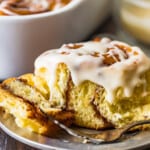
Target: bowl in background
23,38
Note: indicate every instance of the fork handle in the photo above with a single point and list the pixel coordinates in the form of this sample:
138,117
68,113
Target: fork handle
137,123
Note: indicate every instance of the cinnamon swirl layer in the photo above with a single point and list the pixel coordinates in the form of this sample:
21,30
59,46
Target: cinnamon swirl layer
24,98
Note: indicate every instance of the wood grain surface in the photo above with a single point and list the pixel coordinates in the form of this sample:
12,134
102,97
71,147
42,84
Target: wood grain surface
8,143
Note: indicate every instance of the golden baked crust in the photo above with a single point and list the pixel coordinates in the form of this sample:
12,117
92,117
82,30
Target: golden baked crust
26,115
124,110
90,106
37,82
25,101
78,99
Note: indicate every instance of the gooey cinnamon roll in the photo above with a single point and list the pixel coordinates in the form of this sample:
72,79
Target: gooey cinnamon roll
101,81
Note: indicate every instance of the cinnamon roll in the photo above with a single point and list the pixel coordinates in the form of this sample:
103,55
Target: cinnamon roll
96,84
103,82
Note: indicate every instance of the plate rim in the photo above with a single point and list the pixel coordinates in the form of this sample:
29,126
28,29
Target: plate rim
43,146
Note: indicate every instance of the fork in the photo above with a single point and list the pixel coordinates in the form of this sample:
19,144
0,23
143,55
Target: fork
107,136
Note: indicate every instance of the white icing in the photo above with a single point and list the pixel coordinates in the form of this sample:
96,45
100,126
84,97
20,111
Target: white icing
124,72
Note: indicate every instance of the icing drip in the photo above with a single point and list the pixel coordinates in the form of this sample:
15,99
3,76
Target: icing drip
111,64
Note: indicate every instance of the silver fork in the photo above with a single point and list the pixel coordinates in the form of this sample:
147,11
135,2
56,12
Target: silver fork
107,136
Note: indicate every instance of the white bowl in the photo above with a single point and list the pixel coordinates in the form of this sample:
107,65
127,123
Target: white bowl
23,38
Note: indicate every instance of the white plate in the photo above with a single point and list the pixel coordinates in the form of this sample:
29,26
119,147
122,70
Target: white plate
62,141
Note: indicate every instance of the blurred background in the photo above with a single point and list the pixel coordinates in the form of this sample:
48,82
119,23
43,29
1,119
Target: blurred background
129,22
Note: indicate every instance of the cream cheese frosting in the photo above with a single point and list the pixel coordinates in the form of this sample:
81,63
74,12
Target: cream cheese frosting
110,64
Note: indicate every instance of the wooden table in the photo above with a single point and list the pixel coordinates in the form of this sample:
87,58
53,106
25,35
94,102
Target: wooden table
8,143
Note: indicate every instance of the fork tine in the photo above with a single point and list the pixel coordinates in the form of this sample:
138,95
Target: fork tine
74,133
137,123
